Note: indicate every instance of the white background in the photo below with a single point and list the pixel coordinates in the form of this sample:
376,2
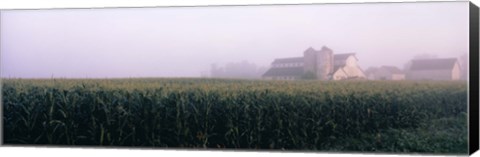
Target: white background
88,152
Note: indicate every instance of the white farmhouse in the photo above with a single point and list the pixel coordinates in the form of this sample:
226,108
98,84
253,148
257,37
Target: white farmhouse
346,67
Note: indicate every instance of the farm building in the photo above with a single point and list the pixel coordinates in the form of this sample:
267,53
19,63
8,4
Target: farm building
385,73
369,73
319,64
434,69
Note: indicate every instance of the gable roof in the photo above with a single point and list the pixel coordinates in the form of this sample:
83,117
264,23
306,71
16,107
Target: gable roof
284,71
336,68
433,64
392,69
343,56
288,60
337,57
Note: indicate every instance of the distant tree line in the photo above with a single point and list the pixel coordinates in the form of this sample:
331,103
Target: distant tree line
241,70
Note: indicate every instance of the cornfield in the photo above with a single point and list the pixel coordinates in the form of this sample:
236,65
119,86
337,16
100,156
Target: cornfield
384,116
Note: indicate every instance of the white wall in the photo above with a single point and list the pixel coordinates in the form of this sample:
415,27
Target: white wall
351,61
339,75
456,73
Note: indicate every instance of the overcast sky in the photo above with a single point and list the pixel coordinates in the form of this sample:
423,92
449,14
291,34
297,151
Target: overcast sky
185,41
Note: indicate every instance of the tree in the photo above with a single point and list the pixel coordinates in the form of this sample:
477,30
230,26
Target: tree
239,70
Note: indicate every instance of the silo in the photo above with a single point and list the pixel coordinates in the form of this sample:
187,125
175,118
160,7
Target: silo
309,60
324,62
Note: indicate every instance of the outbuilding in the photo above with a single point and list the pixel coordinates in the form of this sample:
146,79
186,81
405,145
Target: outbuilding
434,69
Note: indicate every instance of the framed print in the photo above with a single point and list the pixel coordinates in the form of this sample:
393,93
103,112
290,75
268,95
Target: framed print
381,78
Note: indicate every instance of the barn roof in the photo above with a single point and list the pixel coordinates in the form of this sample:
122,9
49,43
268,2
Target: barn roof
336,67
433,64
285,71
392,69
288,60
343,56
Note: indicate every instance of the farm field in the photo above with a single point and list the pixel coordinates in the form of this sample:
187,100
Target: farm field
371,116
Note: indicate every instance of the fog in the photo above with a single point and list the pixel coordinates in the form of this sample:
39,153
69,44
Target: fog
187,41
243,70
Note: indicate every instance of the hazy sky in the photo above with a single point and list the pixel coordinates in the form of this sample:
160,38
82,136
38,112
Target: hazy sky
184,41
